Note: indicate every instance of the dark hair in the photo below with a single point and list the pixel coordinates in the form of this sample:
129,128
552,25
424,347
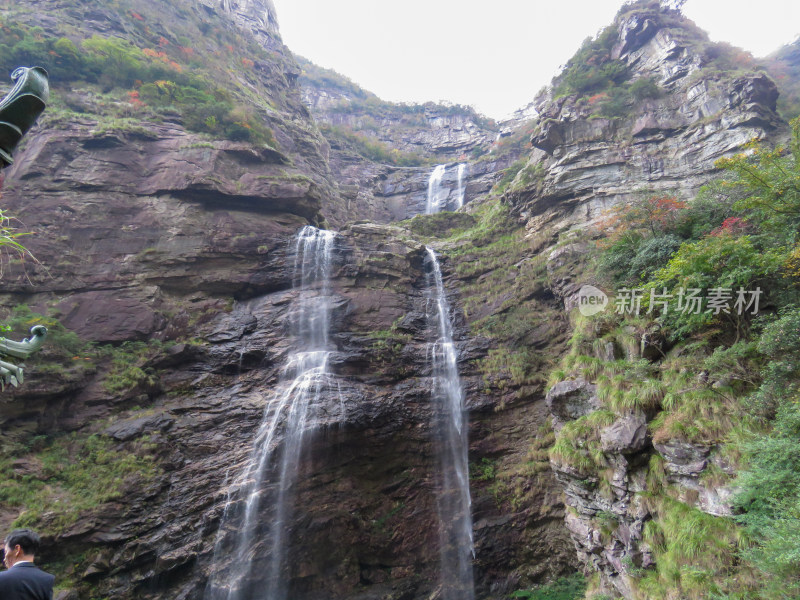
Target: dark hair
27,539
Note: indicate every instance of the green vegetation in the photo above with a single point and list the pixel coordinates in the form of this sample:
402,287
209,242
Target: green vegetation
485,470
721,379
372,148
694,551
440,225
563,588
319,77
509,174
591,68
151,78
128,368
520,174
67,476
770,485
578,442
784,68
10,246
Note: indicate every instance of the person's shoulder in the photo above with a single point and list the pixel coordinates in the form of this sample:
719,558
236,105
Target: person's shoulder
41,572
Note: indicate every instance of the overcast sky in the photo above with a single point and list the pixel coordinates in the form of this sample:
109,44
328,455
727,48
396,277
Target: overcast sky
493,55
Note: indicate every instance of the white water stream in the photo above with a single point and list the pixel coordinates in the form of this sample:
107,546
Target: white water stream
437,194
287,418
450,442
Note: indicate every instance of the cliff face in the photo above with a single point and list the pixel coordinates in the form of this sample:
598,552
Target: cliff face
431,130
166,245
165,273
383,153
595,149
596,153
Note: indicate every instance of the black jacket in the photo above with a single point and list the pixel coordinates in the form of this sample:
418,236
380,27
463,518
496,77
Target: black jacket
26,582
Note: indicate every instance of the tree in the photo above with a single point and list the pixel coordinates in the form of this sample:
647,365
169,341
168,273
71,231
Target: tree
770,180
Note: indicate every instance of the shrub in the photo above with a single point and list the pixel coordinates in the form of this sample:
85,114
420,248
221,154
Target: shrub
571,587
78,473
723,261
644,88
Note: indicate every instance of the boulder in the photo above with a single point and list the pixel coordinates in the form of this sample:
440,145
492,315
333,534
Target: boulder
570,399
626,435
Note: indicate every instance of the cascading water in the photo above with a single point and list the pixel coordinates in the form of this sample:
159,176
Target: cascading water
437,195
450,440
460,196
304,382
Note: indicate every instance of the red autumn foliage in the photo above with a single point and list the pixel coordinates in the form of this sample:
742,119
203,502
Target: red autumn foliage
656,213
732,226
248,63
137,16
133,96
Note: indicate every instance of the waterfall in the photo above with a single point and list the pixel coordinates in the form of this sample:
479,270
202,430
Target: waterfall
290,412
450,441
437,195
460,196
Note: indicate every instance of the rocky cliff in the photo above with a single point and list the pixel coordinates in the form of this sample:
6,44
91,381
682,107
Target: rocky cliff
672,104
383,153
165,208
676,110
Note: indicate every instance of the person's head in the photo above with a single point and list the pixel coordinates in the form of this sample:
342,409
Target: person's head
20,544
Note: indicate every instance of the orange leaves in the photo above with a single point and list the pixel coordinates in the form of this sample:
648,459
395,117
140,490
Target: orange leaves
133,98
654,213
163,57
136,16
248,63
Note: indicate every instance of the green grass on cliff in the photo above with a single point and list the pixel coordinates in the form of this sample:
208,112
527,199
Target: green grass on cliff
53,481
563,588
501,277
154,72
372,148
722,380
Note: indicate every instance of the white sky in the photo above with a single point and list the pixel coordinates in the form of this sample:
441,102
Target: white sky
494,55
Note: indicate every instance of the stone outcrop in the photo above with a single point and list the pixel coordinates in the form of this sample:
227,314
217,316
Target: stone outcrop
384,193
447,133
666,145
